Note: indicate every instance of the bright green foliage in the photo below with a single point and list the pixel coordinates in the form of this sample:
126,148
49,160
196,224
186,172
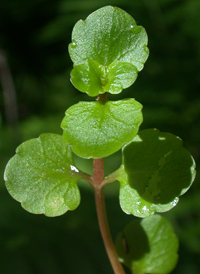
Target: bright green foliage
148,246
156,170
108,49
42,177
94,79
98,129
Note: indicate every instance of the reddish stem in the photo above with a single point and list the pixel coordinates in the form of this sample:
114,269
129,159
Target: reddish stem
98,179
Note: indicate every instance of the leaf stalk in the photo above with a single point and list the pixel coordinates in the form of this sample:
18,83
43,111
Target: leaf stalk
98,179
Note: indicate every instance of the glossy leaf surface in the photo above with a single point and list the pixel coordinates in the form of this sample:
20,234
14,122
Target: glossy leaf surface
156,170
94,79
148,246
98,129
42,177
107,48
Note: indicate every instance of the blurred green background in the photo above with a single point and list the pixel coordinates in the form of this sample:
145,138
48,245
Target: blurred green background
34,37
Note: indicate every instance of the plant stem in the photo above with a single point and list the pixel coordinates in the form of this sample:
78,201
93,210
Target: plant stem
98,178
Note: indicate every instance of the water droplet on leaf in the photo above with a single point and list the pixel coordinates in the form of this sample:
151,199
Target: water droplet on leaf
74,44
74,168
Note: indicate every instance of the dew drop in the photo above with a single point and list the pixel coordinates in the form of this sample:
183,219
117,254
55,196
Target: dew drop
161,138
74,168
73,44
152,207
131,26
145,209
174,203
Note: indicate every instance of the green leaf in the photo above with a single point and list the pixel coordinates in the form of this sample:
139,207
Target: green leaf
156,170
42,177
120,75
107,48
94,79
98,129
148,246
89,77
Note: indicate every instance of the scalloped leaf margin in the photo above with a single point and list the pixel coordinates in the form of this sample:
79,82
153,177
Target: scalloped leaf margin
148,246
108,49
98,129
42,177
155,171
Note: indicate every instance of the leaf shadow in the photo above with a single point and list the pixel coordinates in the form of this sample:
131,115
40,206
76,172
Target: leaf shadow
132,244
159,168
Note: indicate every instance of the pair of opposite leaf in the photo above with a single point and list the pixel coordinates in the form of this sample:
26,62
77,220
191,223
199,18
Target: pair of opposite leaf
156,169
43,178
108,49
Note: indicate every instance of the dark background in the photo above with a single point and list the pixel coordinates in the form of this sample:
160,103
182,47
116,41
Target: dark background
34,37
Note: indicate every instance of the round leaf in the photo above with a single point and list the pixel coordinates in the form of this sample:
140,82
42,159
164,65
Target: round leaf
156,170
42,177
148,246
89,77
98,129
111,38
94,79
120,75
